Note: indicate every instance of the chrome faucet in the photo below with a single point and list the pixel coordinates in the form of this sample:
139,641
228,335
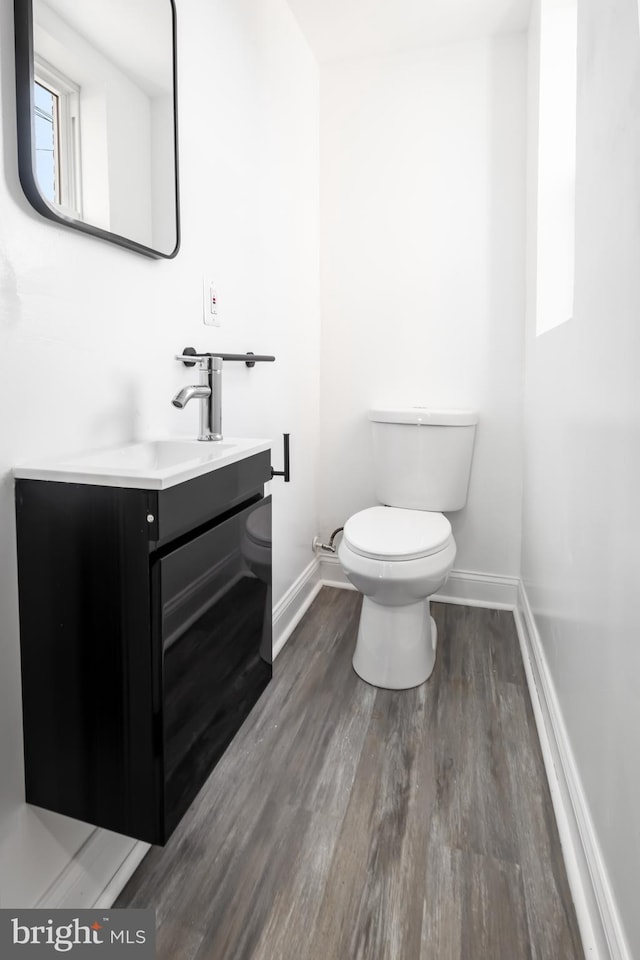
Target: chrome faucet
209,392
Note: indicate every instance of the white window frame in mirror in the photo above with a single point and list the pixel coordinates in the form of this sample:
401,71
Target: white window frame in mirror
66,135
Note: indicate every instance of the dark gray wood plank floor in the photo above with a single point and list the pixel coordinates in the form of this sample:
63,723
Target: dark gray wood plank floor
351,823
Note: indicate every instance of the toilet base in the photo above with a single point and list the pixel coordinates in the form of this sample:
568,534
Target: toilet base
396,646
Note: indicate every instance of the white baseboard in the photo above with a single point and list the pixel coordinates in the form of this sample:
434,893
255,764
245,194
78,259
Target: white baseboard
331,572
123,874
479,590
96,874
600,927
462,586
291,608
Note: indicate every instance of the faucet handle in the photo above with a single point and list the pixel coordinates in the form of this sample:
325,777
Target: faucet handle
187,354
207,362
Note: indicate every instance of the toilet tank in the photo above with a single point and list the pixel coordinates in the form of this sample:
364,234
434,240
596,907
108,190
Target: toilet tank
422,457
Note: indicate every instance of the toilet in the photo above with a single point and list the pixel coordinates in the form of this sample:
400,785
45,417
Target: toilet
400,553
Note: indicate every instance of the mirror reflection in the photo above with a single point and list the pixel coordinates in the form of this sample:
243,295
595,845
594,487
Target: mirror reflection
103,125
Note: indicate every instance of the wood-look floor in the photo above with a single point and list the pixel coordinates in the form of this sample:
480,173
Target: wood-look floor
351,823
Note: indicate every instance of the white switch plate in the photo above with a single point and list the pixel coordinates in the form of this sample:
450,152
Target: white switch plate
210,305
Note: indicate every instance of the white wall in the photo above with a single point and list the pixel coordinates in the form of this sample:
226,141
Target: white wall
88,331
581,519
422,266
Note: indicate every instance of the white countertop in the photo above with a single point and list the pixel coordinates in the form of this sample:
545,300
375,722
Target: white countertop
148,465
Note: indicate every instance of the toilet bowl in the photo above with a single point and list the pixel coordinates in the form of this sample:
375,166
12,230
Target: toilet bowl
400,553
397,558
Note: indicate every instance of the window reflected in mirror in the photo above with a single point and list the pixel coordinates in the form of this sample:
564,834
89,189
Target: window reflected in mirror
47,158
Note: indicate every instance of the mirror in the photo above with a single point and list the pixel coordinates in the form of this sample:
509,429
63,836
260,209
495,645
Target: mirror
97,128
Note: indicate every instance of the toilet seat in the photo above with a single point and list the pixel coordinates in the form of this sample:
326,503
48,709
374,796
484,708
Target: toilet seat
394,533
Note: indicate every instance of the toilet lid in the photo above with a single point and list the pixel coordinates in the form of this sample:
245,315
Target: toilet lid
393,533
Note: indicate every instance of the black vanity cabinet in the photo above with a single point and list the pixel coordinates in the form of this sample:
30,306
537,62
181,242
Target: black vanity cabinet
145,630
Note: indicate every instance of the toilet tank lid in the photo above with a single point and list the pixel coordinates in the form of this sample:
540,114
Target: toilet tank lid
427,415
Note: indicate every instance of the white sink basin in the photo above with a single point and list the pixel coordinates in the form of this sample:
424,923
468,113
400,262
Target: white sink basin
153,455
150,465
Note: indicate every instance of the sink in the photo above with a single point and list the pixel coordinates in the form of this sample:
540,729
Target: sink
149,465
153,455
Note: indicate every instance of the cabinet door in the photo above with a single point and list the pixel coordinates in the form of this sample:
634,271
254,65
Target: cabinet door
215,634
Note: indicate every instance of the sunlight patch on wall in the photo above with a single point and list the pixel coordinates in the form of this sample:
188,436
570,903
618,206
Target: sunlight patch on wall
556,164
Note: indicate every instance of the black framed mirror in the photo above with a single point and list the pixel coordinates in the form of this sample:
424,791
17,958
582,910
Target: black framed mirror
97,118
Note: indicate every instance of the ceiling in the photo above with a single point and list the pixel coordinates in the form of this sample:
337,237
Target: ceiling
338,29
136,35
